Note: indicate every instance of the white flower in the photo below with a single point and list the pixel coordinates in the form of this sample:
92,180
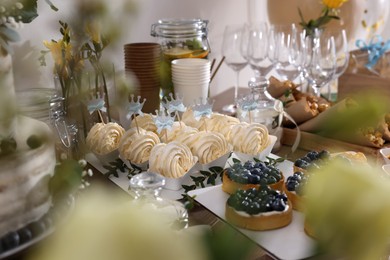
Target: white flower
90,173
63,156
83,163
19,5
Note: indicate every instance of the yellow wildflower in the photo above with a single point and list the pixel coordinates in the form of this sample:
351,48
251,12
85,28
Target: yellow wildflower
60,51
93,30
333,4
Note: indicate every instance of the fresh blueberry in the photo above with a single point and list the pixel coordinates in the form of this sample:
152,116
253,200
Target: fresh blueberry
37,228
256,171
278,205
25,235
11,240
272,180
313,155
249,165
282,196
260,165
323,154
306,159
291,185
301,163
254,179
245,172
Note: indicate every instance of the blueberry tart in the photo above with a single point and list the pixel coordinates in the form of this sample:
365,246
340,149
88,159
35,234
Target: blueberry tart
294,189
312,159
251,175
258,209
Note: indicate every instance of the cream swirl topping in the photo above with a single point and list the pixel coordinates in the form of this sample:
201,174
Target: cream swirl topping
171,134
104,138
209,146
172,160
136,145
249,138
146,122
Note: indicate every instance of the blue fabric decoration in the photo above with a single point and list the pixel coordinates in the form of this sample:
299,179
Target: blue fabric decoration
376,48
96,104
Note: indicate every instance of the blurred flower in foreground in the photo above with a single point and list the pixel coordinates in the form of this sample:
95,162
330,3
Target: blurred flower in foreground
100,229
329,12
348,208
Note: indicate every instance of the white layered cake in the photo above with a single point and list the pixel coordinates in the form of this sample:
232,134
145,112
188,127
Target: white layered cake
24,176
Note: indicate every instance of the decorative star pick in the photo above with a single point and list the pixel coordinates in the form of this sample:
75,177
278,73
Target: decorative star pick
202,109
247,104
97,104
135,107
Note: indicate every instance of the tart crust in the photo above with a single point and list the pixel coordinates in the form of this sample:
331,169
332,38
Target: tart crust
230,186
296,200
260,222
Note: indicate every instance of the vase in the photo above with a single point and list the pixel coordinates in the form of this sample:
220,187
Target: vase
7,97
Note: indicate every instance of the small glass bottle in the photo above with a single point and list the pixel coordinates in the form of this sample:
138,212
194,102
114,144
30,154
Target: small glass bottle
268,111
146,189
66,141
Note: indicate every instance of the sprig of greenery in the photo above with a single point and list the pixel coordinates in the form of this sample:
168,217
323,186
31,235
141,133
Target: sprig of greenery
207,178
318,23
188,201
118,164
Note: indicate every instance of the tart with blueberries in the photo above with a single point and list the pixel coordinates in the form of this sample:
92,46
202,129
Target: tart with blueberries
294,189
251,175
259,209
312,159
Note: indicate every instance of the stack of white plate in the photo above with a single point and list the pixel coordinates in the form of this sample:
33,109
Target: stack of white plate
191,79
34,102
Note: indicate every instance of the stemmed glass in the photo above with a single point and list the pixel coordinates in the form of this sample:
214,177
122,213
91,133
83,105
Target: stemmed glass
260,50
321,67
342,55
285,40
234,49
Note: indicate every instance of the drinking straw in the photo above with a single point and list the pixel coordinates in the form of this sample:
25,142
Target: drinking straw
212,64
216,70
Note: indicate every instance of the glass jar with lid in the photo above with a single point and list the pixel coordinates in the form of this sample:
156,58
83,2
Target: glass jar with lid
179,38
146,190
267,111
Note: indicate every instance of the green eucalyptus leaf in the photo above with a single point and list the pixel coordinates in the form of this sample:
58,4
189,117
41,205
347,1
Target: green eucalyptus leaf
29,11
235,160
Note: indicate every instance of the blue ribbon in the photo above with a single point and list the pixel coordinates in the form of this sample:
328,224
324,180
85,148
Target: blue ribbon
376,48
164,123
134,109
206,112
95,105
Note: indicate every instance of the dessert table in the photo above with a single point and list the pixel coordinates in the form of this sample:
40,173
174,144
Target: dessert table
290,242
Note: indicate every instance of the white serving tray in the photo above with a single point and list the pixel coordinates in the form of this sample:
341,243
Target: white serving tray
289,243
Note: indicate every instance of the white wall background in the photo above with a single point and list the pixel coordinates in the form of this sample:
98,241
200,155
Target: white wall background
137,28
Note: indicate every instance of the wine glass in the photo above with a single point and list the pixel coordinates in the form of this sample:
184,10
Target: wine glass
321,67
260,50
285,40
234,49
342,56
